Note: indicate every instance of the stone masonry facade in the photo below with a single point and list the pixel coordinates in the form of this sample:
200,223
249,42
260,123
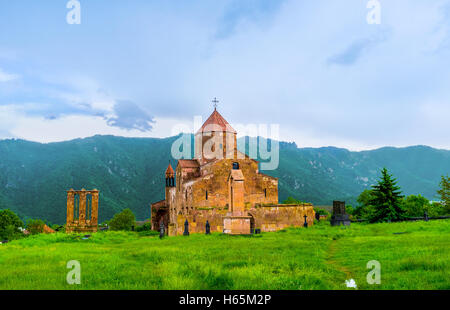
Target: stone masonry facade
224,187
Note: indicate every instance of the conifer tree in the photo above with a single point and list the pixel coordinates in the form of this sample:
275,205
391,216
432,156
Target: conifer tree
386,200
444,192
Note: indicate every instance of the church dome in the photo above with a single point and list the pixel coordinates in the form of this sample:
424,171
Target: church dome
216,122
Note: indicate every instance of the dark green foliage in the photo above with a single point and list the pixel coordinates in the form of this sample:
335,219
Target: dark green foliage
415,206
386,200
292,201
349,209
129,172
437,209
9,225
321,211
123,220
145,227
35,226
444,192
148,233
364,210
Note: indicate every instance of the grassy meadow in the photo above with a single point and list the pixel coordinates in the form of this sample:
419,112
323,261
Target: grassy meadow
413,255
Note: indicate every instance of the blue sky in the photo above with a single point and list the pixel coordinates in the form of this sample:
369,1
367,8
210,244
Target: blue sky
316,68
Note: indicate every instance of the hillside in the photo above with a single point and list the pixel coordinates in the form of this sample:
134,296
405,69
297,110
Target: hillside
129,172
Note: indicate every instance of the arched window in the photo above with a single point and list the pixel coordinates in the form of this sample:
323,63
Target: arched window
235,166
88,206
76,207
206,195
265,192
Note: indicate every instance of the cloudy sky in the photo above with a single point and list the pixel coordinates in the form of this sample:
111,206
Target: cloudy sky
316,68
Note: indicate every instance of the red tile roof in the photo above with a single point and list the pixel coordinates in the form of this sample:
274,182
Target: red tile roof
216,122
188,163
169,170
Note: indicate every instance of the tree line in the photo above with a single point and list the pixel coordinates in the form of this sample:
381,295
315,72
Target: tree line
384,202
12,227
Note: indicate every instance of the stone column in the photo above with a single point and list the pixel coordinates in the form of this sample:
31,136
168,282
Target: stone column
70,206
94,210
238,197
82,217
236,222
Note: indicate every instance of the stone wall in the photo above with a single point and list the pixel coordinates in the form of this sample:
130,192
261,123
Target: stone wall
266,218
259,188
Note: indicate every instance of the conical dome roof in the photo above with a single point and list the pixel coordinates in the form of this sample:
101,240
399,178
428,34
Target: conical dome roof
169,170
216,122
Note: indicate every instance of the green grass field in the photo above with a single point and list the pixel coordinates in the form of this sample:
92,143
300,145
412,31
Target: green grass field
319,257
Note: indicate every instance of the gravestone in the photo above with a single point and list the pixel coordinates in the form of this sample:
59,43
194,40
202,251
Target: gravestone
208,228
186,228
161,230
317,216
339,216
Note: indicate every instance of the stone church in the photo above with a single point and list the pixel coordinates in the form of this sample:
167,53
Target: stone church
223,186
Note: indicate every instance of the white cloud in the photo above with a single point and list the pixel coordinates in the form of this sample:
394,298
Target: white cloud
6,77
270,69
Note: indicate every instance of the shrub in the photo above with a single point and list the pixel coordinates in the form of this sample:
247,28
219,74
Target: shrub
349,209
415,206
35,226
321,211
364,210
145,227
436,209
9,225
123,220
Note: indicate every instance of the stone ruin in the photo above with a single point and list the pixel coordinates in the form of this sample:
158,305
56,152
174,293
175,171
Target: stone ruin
339,216
82,211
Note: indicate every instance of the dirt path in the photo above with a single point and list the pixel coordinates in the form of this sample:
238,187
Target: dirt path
331,260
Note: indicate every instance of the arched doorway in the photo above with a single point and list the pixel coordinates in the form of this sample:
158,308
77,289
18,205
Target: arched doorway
252,223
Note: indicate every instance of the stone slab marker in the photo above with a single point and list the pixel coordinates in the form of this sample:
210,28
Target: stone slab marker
339,216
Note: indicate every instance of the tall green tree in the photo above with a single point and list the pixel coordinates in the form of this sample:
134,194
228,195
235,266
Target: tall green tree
386,200
35,226
364,209
123,220
444,192
9,225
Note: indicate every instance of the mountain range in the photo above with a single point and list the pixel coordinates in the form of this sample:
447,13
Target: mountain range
129,172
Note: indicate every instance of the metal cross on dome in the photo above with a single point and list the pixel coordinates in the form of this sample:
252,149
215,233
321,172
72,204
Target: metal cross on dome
215,101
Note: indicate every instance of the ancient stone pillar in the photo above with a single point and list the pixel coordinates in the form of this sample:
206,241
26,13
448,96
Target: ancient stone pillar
94,210
70,206
82,217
